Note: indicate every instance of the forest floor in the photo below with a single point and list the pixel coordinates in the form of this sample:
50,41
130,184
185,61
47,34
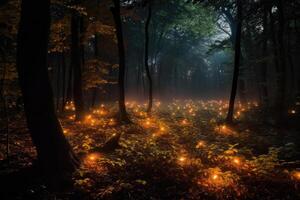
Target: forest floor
182,151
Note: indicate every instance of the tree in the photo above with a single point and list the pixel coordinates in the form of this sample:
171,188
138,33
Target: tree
150,92
264,64
121,50
55,155
76,63
281,93
237,55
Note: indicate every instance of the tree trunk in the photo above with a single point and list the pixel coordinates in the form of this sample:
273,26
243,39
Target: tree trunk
55,155
4,118
229,118
264,64
63,64
76,61
57,81
150,94
121,79
69,85
281,93
96,54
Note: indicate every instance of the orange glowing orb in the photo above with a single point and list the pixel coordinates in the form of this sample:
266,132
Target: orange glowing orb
236,161
200,144
215,177
296,175
93,157
182,159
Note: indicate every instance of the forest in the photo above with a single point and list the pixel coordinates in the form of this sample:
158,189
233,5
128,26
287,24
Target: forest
150,99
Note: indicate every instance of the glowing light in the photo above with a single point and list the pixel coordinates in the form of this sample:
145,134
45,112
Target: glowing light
111,122
223,127
102,112
296,175
162,128
147,123
182,158
215,177
184,122
236,161
92,158
200,144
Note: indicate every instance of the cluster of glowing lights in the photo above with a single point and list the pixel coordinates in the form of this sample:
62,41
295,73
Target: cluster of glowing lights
70,106
90,120
189,108
101,112
72,117
97,117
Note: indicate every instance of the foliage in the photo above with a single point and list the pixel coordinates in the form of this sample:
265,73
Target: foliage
180,151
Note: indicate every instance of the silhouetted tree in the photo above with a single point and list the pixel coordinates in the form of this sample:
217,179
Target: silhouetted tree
76,63
121,77
237,55
150,91
55,155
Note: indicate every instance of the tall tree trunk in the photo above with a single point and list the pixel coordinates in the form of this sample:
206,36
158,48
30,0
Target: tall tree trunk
121,50
237,48
281,93
76,63
138,77
55,155
292,79
264,64
58,63
96,55
63,64
69,85
150,94
4,118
